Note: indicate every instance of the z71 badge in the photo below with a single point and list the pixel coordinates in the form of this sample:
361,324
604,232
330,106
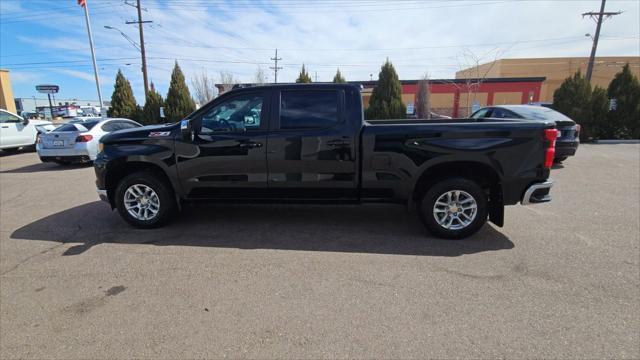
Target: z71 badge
159,133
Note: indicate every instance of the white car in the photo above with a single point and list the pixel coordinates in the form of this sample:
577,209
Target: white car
78,142
16,132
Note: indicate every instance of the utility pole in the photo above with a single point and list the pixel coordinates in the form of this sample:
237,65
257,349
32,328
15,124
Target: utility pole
316,76
598,17
275,68
142,51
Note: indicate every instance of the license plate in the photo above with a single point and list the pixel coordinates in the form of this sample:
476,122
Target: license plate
58,143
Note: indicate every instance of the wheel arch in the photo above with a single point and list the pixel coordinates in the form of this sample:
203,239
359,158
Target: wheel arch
483,174
119,170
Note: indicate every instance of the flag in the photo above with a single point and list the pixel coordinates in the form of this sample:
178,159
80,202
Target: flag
82,2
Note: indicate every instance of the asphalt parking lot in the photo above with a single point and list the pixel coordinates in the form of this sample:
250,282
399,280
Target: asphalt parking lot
560,280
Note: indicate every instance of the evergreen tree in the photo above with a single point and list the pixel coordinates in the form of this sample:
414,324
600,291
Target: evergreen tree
573,98
123,103
338,78
386,98
304,76
624,90
600,126
151,110
179,102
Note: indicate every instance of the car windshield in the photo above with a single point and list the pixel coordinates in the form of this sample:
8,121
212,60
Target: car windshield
540,113
84,126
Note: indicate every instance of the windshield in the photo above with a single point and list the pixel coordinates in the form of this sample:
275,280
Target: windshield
84,126
540,113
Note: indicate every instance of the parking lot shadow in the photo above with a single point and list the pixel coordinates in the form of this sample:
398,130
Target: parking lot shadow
40,167
379,229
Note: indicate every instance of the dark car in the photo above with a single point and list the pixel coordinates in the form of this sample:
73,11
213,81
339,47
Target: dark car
310,143
568,131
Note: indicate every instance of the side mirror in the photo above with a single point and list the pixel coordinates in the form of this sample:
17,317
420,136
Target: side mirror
186,130
25,121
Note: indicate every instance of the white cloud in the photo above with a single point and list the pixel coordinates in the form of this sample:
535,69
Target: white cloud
22,77
77,74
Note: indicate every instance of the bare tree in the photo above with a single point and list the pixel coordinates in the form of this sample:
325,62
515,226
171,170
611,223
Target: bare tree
227,80
203,86
476,73
423,101
260,77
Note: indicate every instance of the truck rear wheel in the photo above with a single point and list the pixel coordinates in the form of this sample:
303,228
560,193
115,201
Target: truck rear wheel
454,208
144,200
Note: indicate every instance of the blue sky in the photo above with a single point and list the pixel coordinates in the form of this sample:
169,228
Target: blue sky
45,41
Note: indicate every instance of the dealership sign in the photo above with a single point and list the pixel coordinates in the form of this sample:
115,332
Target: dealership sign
47,89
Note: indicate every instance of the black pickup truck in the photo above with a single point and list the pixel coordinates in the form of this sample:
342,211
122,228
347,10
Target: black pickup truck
310,143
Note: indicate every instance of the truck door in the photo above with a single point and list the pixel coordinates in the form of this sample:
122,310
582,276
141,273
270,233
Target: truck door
311,151
226,158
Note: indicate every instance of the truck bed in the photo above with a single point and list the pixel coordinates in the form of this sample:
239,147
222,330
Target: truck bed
396,152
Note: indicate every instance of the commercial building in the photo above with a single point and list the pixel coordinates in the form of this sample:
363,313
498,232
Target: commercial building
61,107
460,97
6,93
554,70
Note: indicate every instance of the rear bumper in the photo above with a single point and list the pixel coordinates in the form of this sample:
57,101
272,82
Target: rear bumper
71,159
66,154
566,148
537,193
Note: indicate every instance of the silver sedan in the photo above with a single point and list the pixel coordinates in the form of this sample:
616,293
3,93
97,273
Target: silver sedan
78,142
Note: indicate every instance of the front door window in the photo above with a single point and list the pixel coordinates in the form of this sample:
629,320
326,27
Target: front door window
234,115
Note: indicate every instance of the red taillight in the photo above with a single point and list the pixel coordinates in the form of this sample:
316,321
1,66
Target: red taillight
84,138
550,135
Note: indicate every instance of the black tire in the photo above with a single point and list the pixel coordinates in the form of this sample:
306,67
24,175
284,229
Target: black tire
443,187
167,202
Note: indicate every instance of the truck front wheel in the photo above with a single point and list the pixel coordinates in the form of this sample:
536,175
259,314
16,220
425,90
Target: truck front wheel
144,200
454,208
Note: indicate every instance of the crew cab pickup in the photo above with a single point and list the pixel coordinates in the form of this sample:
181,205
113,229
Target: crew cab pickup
310,143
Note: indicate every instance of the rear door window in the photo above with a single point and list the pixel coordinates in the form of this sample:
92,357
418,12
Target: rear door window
308,109
128,125
499,113
112,126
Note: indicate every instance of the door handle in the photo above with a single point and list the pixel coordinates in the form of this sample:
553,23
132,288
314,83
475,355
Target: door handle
338,143
5,127
250,144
